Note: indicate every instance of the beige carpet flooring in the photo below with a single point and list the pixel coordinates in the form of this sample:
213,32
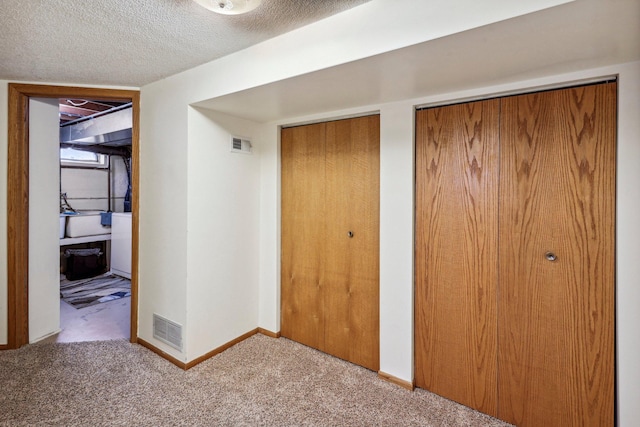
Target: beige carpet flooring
260,382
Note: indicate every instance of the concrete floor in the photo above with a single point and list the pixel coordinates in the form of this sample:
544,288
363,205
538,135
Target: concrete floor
104,321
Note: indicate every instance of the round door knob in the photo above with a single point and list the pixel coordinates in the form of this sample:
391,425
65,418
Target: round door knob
550,256
350,234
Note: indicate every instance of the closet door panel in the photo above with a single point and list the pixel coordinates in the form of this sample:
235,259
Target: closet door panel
456,252
353,165
303,234
556,309
338,255
330,285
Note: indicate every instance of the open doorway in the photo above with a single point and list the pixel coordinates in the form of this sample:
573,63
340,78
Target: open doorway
18,198
95,219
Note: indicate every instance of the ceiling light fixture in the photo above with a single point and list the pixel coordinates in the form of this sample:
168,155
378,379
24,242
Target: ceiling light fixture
230,7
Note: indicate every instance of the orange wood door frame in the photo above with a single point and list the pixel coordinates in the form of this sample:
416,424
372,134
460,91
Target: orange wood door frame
18,198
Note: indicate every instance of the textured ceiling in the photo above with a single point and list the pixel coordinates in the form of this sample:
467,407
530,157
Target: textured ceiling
132,43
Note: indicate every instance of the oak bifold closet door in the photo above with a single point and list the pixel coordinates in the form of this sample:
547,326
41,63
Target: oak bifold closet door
515,215
456,252
330,237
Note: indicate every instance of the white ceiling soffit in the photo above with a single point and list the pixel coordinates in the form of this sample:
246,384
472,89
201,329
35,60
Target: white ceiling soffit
132,43
579,35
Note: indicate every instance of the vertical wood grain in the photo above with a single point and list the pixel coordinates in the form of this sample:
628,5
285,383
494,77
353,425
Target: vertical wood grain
338,254
556,319
364,208
330,282
456,252
352,267
18,219
303,230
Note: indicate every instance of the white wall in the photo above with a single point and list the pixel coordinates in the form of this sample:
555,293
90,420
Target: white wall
269,279
223,232
628,244
44,245
396,239
200,217
87,189
369,29
163,211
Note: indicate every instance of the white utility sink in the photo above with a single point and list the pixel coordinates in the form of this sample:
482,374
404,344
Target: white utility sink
85,224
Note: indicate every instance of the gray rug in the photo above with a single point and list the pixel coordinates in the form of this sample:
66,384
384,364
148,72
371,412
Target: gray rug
86,292
260,382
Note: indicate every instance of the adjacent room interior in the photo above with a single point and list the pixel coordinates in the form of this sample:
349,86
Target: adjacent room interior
95,220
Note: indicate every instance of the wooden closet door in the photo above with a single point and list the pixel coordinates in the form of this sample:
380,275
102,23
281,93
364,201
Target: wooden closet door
456,252
330,281
352,263
557,199
303,234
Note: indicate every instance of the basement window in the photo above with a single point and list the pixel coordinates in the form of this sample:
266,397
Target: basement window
82,159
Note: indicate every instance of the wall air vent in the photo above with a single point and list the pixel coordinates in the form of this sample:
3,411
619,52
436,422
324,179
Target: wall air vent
167,331
240,145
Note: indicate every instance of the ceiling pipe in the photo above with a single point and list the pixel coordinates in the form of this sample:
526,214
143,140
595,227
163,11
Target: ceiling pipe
113,129
123,151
